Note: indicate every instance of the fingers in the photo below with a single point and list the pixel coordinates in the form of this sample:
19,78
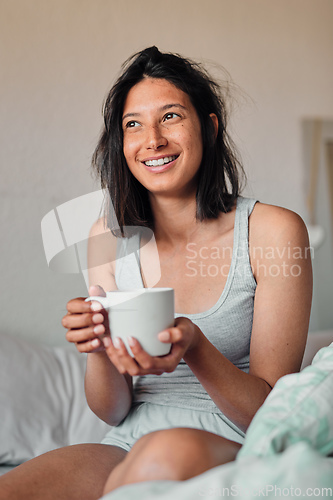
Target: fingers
184,333
72,321
80,335
181,331
88,329
171,335
142,363
86,323
94,345
120,357
78,305
83,314
87,339
146,362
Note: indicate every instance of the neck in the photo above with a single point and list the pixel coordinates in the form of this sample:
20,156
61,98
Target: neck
174,218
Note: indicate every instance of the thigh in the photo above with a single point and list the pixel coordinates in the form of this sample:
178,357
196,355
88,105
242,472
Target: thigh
76,472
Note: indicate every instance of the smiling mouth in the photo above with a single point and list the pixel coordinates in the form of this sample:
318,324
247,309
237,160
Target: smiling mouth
161,161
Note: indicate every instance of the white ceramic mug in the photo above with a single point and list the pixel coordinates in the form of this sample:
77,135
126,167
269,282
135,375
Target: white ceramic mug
141,314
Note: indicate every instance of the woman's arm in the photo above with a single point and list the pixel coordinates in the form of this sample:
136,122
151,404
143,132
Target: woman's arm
281,260
109,393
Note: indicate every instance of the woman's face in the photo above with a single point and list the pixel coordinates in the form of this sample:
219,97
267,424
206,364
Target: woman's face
162,137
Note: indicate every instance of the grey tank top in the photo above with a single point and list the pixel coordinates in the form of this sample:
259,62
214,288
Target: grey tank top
227,325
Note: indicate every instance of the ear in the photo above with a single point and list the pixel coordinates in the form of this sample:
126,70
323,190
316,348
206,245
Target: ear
215,122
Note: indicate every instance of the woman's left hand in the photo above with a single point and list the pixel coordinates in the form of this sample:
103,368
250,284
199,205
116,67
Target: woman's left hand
183,336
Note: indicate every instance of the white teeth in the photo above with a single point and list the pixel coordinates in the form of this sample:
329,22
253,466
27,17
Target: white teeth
160,162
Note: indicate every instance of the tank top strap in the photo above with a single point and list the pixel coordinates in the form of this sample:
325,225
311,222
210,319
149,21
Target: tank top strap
242,262
245,207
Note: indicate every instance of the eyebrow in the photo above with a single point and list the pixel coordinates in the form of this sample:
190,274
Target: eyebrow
163,108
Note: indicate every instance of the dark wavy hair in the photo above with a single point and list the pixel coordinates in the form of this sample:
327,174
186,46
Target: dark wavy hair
220,169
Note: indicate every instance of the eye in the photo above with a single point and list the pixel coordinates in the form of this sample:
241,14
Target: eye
132,124
169,116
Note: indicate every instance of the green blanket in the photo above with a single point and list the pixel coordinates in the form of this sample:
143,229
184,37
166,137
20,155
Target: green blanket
288,450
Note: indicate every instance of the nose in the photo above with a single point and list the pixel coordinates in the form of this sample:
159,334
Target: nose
155,138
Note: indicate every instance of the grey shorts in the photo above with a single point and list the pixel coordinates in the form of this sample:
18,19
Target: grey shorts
147,417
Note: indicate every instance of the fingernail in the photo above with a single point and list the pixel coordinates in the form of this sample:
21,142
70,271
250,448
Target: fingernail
95,343
99,329
131,341
96,306
97,318
164,336
106,342
116,343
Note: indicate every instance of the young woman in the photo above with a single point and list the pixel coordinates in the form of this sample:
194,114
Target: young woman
242,277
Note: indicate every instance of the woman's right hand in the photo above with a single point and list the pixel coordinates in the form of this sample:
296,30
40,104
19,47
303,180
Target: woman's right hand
85,326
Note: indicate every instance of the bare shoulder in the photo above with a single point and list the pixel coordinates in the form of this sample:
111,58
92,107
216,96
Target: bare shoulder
99,227
273,225
101,238
279,242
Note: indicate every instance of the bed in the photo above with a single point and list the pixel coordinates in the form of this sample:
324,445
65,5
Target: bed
42,401
288,449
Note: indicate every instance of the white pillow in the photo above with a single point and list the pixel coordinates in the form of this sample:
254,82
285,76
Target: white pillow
299,408
42,400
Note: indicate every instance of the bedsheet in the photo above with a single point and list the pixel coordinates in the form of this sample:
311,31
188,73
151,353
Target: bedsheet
300,471
288,449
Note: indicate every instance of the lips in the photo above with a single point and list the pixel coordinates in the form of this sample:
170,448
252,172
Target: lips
160,161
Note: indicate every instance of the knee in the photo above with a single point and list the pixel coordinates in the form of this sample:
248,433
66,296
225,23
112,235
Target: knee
172,454
166,455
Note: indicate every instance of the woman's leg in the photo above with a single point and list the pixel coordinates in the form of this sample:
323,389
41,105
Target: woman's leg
76,472
176,454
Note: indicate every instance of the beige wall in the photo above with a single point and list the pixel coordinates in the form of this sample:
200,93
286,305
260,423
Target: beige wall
59,57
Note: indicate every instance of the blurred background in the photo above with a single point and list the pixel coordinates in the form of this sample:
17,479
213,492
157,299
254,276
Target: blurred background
58,60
